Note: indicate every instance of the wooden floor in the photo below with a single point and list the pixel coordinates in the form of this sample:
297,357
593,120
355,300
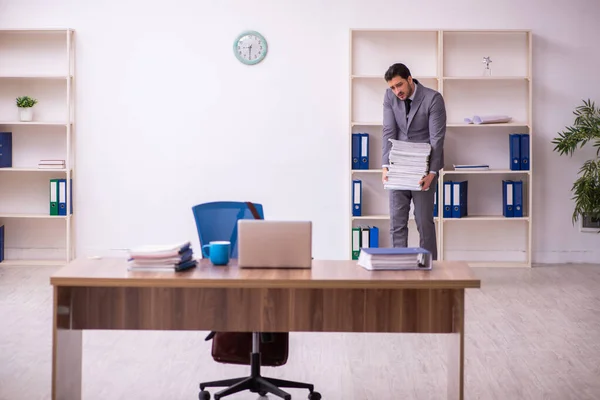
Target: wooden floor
531,334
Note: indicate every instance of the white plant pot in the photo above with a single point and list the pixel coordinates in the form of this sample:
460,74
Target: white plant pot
26,114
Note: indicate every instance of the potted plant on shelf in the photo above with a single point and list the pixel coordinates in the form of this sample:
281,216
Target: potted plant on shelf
586,189
25,104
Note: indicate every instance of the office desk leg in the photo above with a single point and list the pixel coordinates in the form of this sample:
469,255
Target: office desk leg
456,356
66,350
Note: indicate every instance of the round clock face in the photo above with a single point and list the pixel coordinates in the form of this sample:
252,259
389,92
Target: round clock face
250,47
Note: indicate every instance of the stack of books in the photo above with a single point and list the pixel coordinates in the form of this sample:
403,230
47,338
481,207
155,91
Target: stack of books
170,257
409,163
51,164
396,258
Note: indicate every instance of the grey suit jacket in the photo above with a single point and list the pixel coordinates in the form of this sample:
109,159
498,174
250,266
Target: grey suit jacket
426,123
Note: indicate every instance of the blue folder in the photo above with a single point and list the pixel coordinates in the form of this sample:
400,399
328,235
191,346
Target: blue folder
5,149
508,198
515,151
356,198
355,150
364,151
524,151
459,199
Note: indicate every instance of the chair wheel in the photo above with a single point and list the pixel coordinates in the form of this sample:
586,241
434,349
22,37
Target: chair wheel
314,396
262,393
204,395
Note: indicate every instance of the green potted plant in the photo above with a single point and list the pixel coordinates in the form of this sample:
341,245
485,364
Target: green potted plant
586,189
25,104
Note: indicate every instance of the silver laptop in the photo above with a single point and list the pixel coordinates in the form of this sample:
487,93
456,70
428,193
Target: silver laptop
274,244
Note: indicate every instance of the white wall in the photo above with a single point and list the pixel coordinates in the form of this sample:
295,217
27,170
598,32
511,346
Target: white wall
167,118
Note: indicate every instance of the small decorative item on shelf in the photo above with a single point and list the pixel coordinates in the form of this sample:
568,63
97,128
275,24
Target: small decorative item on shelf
25,104
487,71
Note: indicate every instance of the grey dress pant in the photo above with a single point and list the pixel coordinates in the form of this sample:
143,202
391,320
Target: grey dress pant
423,210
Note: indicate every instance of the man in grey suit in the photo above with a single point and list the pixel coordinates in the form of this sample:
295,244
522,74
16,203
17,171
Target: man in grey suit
414,113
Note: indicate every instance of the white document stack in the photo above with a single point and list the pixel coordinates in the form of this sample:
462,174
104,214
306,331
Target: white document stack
409,163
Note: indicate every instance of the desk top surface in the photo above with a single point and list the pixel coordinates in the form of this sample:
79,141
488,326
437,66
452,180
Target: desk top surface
112,272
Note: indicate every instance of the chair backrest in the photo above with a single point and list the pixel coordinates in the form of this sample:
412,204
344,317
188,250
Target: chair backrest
218,221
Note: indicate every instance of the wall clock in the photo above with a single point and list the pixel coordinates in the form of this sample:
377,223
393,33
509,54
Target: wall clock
250,47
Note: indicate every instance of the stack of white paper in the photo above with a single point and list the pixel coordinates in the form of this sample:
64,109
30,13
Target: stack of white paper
409,163
174,256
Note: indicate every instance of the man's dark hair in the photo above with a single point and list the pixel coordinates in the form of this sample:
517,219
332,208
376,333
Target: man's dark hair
397,69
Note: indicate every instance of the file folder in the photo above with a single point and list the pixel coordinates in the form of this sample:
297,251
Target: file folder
435,200
1,243
524,151
356,140
5,149
459,199
518,198
447,199
364,151
508,199
355,243
374,236
515,151
365,236
369,236
356,198
62,197
53,196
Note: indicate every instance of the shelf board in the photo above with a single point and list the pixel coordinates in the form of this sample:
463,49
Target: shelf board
374,76
486,78
36,30
460,125
33,170
489,171
507,124
487,218
35,216
34,263
382,217
371,217
371,123
39,123
497,264
48,77
366,171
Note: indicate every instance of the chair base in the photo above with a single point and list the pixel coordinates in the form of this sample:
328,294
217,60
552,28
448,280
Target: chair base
257,384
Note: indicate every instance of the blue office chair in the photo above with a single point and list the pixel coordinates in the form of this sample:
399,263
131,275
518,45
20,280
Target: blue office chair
218,221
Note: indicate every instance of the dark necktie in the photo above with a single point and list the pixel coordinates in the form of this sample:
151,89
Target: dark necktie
407,106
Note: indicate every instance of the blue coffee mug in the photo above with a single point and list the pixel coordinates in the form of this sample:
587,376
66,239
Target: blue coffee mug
217,251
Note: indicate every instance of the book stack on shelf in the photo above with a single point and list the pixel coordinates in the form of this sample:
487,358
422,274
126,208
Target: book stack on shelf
171,257
37,142
52,164
495,97
397,259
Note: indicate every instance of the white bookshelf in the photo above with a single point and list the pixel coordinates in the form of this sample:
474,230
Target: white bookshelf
39,63
450,61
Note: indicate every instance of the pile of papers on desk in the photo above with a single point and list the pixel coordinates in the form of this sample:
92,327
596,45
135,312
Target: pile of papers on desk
409,163
396,258
170,257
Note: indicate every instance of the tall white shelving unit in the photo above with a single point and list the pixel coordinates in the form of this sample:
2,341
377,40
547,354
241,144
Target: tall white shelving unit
451,61
39,63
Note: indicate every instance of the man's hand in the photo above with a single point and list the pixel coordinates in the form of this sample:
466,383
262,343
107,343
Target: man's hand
384,172
426,181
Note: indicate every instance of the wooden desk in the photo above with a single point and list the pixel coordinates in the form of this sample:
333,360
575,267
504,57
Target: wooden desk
333,296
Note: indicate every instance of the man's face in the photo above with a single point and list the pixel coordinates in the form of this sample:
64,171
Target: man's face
402,88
